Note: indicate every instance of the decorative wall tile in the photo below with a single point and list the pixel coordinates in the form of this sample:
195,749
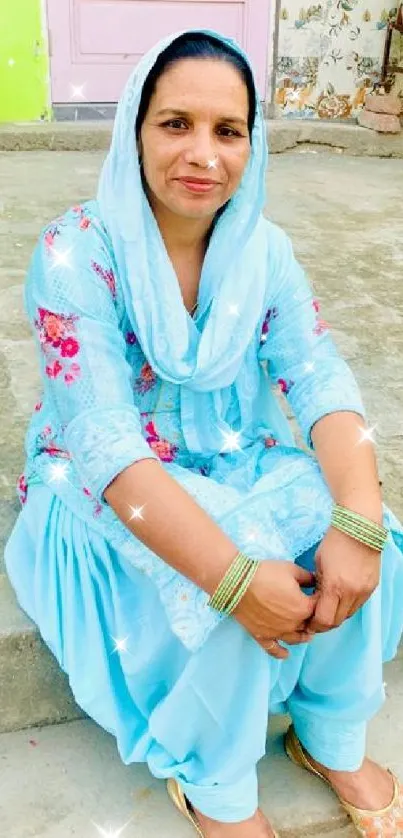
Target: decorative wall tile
329,55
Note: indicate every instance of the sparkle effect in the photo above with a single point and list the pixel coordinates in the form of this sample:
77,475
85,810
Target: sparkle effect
61,258
58,472
309,366
137,513
231,441
111,833
11,62
367,435
212,164
120,644
233,310
77,91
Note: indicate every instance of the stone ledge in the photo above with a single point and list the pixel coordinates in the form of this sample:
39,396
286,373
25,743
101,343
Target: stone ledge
283,135
33,690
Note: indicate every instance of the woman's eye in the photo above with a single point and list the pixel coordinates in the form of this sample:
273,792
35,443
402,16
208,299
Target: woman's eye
226,131
175,123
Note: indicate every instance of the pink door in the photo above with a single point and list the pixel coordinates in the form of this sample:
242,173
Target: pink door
94,44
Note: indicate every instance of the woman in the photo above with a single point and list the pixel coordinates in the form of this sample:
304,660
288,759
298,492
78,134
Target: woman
171,526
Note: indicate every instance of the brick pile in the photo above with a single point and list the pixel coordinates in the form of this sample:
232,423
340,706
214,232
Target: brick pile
381,113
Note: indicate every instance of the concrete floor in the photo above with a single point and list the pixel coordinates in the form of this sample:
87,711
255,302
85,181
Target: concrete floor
345,215
61,781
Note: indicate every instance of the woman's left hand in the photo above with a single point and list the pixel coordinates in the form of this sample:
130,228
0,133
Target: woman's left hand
347,573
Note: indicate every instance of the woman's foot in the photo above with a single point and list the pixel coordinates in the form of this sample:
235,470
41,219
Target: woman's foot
256,827
371,787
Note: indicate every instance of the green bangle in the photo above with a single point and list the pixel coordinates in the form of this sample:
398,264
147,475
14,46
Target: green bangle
362,529
235,580
230,582
240,593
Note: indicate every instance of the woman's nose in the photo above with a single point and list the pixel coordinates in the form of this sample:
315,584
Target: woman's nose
201,148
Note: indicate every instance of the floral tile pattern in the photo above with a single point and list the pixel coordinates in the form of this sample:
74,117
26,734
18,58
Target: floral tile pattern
329,55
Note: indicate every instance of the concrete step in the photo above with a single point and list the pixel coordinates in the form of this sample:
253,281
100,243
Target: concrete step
33,690
68,780
283,134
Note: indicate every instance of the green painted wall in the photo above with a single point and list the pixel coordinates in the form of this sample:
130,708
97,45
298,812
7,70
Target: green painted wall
24,65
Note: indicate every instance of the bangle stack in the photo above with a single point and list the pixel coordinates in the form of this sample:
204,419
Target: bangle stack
234,584
360,528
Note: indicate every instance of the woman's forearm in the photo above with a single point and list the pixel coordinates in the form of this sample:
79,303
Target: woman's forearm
172,524
348,462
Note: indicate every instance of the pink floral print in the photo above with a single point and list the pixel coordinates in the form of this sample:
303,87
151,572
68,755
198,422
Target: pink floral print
46,444
165,450
107,275
84,221
271,314
97,506
22,489
50,236
146,380
270,442
58,332
321,325
285,386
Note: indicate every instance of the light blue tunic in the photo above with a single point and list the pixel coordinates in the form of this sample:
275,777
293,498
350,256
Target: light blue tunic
178,686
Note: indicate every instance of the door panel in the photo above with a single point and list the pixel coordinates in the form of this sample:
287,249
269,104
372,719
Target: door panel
94,44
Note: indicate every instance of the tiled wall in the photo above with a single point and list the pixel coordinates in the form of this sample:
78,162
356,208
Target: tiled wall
329,54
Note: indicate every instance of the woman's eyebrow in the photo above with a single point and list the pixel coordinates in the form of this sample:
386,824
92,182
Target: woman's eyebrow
178,112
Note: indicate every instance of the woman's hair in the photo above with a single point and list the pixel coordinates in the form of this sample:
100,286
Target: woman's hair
200,46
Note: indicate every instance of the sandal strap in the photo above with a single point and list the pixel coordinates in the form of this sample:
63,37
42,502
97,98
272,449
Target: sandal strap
369,823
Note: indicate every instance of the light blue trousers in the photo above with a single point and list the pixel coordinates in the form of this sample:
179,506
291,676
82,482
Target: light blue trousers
199,717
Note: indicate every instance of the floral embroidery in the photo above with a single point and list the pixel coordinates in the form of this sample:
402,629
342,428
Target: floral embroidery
271,314
285,386
85,221
46,444
106,275
97,506
22,489
321,325
130,338
146,380
270,442
165,450
50,235
54,369
71,376
38,407
57,331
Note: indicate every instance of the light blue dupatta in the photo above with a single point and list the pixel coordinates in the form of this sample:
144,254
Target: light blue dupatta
205,359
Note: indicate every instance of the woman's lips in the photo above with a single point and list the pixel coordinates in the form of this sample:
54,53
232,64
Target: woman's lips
195,185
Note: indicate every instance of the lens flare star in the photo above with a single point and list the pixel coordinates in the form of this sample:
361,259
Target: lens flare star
58,472
111,833
309,366
233,310
367,435
120,644
61,258
212,164
137,513
77,91
231,441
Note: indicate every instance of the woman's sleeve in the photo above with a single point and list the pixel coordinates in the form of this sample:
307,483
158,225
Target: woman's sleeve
70,299
302,357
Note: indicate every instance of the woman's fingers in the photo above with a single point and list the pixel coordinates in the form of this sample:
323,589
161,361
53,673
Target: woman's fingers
294,638
274,648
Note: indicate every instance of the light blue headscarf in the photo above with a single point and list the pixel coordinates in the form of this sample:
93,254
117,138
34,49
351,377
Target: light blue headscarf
205,362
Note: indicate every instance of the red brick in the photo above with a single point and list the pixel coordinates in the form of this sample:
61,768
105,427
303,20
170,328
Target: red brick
385,123
389,103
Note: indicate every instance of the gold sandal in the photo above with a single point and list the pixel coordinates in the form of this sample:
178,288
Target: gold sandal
383,823
182,804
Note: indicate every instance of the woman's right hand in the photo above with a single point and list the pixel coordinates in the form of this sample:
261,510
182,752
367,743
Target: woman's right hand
275,608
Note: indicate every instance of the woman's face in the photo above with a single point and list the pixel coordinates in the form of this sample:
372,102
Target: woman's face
194,139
